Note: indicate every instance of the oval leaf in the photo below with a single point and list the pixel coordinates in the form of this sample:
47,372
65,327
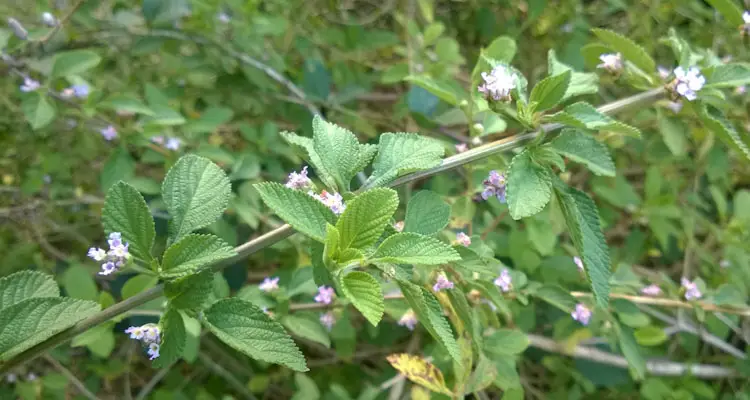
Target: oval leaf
365,218
366,295
419,371
125,211
298,209
413,248
24,285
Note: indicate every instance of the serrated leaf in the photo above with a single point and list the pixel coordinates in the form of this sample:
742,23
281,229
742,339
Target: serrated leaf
584,115
196,193
413,248
246,328
74,62
506,342
191,292
366,294
631,351
426,213
173,338
545,155
583,148
420,371
501,49
339,150
718,124
38,110
729,10
550,91
24,285
440,89
629,49
192,253
305,145
32,321
300,210
727,75
306,328
529,186
582,220
673,133
580,82
557,297
126,211
365,218
331,248
402,153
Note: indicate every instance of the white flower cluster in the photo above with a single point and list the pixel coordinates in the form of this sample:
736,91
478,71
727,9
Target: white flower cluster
150,335
498,83
688,82
611,62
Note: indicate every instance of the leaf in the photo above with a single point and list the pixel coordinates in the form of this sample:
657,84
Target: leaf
550,91
300,210
413,248
306,388
718,124
365,217
419,371
584,115
127,104
191,292
582,220
192,253
32,321
244,327
506,342
482,377
100,340
38,111
174,338
502,48
119,166
74,62
580,82
24,285
583,148
305,145
211,119
729,10
673,133
426,213
196,193
556,296
441,90
402,153
126,211
339,150
308,329
629,49
631,351
727,75
650,336
138,284
529,186
366,295
78,284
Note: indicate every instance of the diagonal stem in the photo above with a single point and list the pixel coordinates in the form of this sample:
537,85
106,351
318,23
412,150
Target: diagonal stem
284,231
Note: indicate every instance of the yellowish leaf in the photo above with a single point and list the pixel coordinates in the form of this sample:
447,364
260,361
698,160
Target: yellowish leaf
419,371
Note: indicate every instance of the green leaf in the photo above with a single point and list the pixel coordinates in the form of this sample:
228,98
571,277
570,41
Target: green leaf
584,115
550,91
673,133
629,49
100,340
331,248
191,292
718,124
441,90
32,321
127,104
482,377
24,285
583,148
74,62
413,248
339,151
173,338
125,211
401,153
580,82
506,342
582,219
79,284
502,48
426,213
300,210
192,253
119,166
727,75
729,10
307,328
650,336
529,186
138,284
365,218
196,193
366,295
246,328
211,119
38,110
306,388
305,145
631,351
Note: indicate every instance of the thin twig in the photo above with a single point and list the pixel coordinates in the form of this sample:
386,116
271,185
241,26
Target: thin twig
61,22
153,382
659,301
71,377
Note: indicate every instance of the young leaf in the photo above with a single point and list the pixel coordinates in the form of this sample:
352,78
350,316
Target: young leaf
584,115
441,90
23,285
583,148
729,10
529,186
246,328
191,292
173,339
629,49
420,371
673,133
631,351
306,328
305,145
331,247
38,110
365,217
125,211
74,62
556,296
339,150
550,91
506,342
366,295
401,153
298,209
482,377
426,213
33,320
718,124
727,75
192,253
78,283
580,82
196,193
413,248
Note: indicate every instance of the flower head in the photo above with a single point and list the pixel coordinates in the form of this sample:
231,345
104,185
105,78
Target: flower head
31,376
223,17
173,144
687,82
463,239
651,290
325,295
135,332
581,314
498,84
11,377
494,185
691,290
153,350
579,263
117,256
504,281
442,282
333,201
461,147
328,320
399,226
157,139
409,320
49,19
299,180
674,106
29,85
612,62
109,132
151,333
664,72
725,263
269,284
745,28
97,254
108,268
80,91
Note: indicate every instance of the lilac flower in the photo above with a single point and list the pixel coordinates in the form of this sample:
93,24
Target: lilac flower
328,320
504,281
31,377
153,350
579,263
81,91
117,256
494,185
498,83
740,90
674,106
173,144
97,254
461,147
29,85
299,180
409,320
725,263
151,333
691,290
688,82
441,283
135,332
109,132
17,28
325,295
612,62
745,28
463,239
49,19
651,290
157,140
108,268
223,17
269,284
333,201
11,377
581,314
115,239
399,226
663,72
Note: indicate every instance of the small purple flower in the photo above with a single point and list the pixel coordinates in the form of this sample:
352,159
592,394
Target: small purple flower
494,185
691,290
498,84
581,314
97,254
81,91
612,62
30,85
269,284
11,378
688,82
463,239
109,132
725,263
115,239
135,332
31,377
328,320
663,72
108,268
461,147
504,281
579,263
157,140
442,282
49,19
325,295
674,106
151,333
651,290
173,144
399,226
153,350
409,320
333,201
299,180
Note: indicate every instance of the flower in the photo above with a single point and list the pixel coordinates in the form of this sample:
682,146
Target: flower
463,239
409,320
29,85
498,83
223,17
494,185
117,255
687,83
31,376
325,295
108,268
740,90
135,332
663,72
612,62
151,333
157,139
49,19
651,290
109,132
153,350
441,283
173,144
399,226
691,290
97,254
328,320
333,201
461,147
269,284
674,106
579,263
299,180
17,28
504,281
581,314
745,28
725,263
11,377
